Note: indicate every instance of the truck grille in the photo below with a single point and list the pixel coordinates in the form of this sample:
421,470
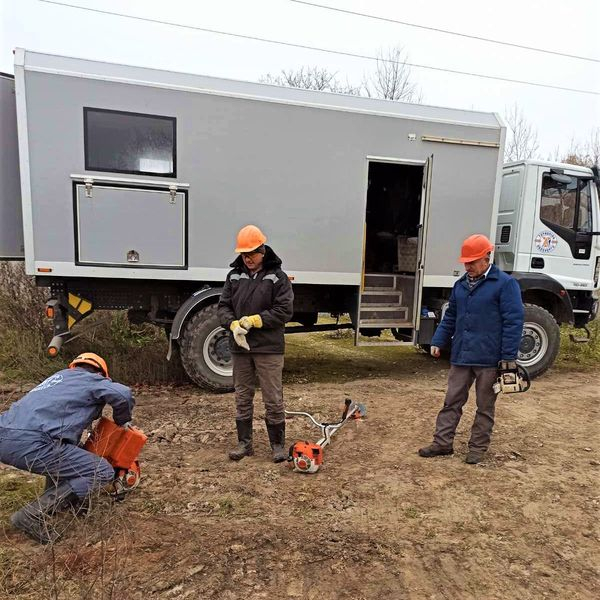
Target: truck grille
505,234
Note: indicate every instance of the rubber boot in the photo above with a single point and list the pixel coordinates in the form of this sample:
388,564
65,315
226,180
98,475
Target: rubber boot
277,438
34,518
244,447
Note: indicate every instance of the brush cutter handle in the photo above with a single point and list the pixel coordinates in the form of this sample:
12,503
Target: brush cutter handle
347,403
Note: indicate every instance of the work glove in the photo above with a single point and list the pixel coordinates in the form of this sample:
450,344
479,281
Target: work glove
251,321
239,335
435,351
507,365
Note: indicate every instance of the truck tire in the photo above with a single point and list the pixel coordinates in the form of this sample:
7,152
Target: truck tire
205,354
540,342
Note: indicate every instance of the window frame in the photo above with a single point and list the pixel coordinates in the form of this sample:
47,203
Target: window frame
86,142
575,238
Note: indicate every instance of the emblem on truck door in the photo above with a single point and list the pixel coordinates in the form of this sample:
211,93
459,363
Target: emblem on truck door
546,241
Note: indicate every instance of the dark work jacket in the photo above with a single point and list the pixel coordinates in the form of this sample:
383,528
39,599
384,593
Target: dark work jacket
267,293
483,324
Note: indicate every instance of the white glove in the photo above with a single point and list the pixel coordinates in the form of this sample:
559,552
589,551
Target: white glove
435,351
239,335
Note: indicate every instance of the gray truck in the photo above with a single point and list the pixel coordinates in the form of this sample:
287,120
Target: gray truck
124,187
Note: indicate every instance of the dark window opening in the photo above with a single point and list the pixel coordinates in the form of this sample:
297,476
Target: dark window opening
125,142
393,216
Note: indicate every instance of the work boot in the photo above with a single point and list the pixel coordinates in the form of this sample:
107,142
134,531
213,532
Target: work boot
34,518
473,457
277,438
244,447
435,450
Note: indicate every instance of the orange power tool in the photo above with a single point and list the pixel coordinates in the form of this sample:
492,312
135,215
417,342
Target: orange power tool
307,457
120,446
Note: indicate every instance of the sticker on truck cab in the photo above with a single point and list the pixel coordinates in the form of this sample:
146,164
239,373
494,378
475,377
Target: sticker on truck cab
546,241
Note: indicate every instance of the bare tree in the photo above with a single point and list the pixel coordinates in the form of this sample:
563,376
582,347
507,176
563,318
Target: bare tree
585,153
522,142
392,78
311,78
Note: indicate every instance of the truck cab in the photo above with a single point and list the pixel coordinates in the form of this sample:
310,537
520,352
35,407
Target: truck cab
548,237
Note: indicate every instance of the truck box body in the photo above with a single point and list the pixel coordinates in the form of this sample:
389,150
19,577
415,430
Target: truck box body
294,162
11,222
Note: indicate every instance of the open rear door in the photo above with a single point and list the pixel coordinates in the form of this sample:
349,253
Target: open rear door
11,218
422,243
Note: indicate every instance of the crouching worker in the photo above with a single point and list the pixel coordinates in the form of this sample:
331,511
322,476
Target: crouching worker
483,325
256,302
40,433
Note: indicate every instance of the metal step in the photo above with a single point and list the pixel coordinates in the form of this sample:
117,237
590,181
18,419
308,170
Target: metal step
379,280
384,323
383,313
370,298
383,343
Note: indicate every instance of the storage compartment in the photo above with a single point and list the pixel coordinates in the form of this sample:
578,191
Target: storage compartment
129,226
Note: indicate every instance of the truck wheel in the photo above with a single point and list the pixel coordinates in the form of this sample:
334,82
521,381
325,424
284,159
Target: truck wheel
540,342
205,354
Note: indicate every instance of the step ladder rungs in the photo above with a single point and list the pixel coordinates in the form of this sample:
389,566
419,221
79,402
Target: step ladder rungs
383,324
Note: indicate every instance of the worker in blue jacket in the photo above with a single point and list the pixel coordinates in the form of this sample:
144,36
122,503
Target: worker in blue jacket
483,324
41,432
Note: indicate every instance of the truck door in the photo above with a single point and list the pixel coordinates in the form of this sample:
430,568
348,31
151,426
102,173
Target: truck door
422,242
11,219
562,241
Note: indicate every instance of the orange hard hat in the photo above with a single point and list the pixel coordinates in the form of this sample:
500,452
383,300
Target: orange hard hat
249,238
89,358
475,247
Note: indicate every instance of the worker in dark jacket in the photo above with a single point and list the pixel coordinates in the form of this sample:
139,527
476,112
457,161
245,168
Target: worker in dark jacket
41,432
483,324
256,302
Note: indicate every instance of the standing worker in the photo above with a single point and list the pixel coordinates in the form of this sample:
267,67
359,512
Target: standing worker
256,303
40,433
483,324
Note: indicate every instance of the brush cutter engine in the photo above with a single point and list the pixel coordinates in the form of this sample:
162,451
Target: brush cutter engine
120,446
307,457
512,378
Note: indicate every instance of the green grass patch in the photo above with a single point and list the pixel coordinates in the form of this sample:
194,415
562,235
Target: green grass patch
16,490
579,356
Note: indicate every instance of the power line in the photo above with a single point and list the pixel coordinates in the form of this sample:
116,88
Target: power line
317,49
446,31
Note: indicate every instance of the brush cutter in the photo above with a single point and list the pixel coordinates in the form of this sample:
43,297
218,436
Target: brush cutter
120,446
307,457
512,378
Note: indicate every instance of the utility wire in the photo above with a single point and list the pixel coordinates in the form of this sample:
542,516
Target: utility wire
306,47
446,31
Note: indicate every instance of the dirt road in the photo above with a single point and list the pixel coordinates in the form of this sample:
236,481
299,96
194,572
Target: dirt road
377,521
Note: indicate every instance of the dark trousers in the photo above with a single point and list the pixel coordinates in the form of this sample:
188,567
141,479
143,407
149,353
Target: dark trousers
460,381
268,369
39,453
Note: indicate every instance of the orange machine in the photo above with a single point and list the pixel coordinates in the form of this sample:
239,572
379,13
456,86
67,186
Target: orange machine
120,446
307,457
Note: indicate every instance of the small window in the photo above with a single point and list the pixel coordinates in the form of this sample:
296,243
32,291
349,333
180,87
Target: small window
558,202
125,142
584,220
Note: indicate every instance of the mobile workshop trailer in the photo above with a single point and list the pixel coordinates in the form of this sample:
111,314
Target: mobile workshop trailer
135,181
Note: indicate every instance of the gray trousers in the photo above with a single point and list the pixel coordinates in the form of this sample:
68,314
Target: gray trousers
268,369
460,381
39,453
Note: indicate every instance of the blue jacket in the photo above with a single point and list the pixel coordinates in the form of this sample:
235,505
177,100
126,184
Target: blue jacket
66,403
484,324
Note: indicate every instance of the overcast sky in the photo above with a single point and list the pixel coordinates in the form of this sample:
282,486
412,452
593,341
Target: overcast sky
559,116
